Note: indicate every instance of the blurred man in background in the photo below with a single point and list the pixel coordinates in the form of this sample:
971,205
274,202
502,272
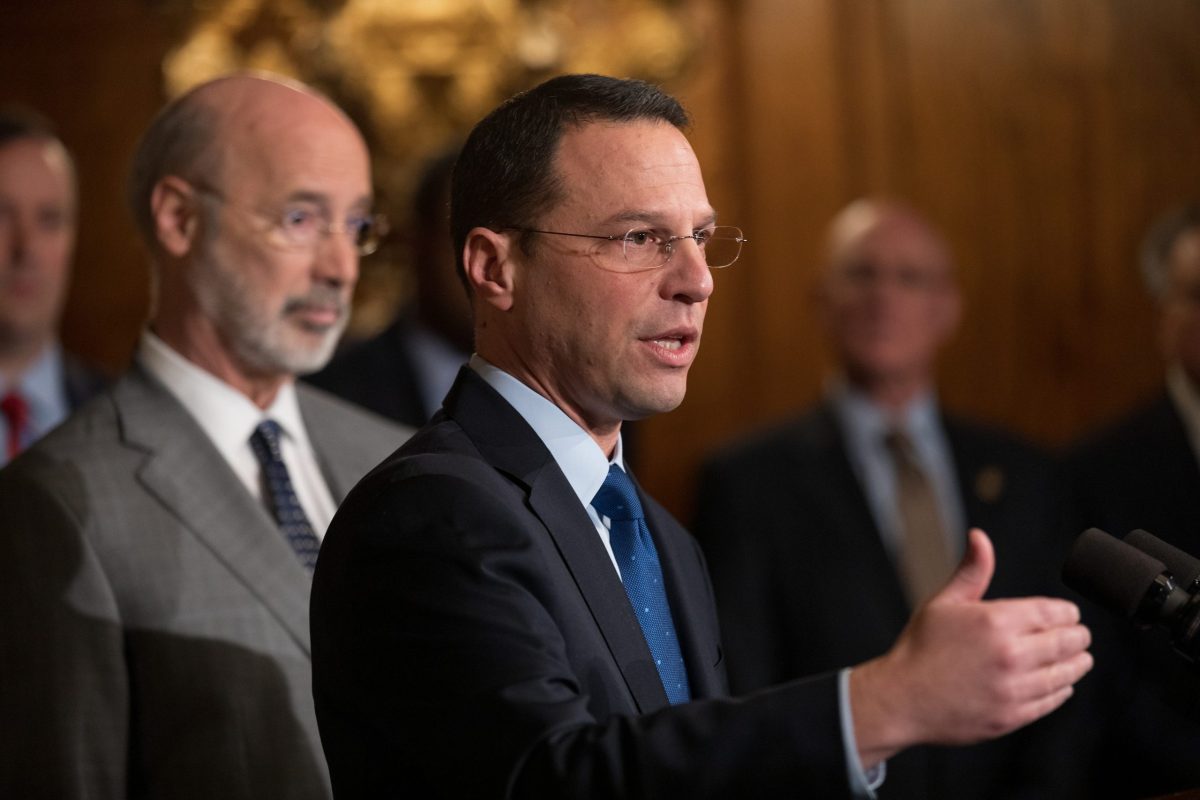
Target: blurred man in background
40,384
824,534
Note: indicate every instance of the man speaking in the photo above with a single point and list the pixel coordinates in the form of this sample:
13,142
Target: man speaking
499,611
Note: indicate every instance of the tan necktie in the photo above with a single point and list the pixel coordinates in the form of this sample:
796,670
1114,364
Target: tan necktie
925,560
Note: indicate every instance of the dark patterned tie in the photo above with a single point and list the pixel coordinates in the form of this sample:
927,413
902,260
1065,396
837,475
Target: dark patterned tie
16,413
642,575
925,560
280,494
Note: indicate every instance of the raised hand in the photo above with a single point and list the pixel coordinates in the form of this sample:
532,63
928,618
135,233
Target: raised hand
965,669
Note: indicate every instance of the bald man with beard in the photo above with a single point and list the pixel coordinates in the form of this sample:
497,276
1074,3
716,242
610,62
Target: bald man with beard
157,550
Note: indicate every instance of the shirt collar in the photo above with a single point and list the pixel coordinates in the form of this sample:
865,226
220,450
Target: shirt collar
867,423
225,414
42,387
577,454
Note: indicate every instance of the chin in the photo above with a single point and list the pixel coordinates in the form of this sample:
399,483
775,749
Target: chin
649,404
291,358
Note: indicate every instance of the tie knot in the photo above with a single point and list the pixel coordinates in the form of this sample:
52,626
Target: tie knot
15,408
617,499
265,440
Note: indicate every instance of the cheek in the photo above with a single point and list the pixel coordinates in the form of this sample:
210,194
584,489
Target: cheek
273,275
58,255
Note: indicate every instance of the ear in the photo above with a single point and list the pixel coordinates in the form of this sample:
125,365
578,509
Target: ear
176,216
489,266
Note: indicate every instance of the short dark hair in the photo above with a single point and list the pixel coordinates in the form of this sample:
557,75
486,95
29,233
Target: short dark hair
1160,240
505,174
18,122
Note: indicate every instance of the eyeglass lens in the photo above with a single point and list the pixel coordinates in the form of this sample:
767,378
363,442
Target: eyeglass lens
721,247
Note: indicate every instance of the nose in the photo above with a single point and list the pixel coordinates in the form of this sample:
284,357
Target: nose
337,259
688,277
14,239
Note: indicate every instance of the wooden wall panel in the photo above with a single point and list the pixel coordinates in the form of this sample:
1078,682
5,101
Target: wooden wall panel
93,69
1041,135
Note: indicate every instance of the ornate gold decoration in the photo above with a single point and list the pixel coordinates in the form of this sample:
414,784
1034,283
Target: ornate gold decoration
416,74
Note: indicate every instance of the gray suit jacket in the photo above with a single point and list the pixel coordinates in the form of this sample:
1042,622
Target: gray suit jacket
153,621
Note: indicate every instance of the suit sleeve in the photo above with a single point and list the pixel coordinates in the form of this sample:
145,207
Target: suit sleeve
64,698
440,669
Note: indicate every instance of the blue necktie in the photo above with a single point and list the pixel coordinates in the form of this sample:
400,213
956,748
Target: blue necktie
643,579
277,485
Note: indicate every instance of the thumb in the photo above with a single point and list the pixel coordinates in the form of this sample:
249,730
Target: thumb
970,580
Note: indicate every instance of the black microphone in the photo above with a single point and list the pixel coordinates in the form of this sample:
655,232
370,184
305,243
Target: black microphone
1138,585
1183,567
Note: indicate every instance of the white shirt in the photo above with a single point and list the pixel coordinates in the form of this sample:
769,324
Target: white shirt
229,417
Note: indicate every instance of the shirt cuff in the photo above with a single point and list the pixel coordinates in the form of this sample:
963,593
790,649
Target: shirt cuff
863,783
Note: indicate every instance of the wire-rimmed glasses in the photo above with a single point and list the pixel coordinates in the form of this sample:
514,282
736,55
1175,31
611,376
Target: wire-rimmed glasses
302,224
647,248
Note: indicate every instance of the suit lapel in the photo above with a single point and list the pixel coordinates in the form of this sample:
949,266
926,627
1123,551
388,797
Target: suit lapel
848,507
507,442
187,475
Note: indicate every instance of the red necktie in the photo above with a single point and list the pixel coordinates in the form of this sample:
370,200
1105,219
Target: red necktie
16,413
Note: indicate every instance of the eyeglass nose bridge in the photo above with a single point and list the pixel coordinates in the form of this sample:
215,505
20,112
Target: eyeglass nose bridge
364,234
668,247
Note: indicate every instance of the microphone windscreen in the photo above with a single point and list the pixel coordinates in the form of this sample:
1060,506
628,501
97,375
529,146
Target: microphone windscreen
1183,567
1107,571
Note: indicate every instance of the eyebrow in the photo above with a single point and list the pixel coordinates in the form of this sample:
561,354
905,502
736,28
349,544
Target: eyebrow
322,199
638,215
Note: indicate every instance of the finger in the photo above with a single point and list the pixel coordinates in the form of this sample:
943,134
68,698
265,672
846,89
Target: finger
1051,679
1044,649
973,574
1032,614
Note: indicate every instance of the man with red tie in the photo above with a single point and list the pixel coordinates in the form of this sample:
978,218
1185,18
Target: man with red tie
39,383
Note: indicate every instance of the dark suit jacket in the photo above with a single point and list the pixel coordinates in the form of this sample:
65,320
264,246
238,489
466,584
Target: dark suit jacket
471,638
805,583
1140,473
153,619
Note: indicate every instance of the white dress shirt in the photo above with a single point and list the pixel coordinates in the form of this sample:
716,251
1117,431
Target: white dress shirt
229,418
